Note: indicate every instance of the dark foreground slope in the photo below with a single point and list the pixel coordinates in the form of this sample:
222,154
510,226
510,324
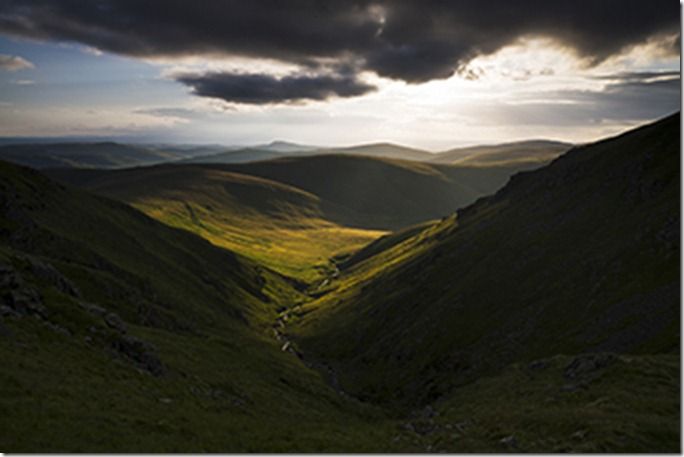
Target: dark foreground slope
581,256
118,333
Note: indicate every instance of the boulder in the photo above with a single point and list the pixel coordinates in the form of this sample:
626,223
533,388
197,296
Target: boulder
140,352
585,364
25,301
509,441
115,322
48,273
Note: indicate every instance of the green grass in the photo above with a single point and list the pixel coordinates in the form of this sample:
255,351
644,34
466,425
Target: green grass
222,393
274,224
630,406
293,215
301,249
582,255
207,313
579,257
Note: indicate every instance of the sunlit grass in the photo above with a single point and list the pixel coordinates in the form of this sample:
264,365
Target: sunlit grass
300,247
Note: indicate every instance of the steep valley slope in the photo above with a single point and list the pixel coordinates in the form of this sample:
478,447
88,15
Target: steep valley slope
542,318
581,256
121,334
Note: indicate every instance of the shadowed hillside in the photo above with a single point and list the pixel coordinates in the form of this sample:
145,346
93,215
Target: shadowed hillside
377,193
580,256
119,333
276,224
294,215
241,155
542,318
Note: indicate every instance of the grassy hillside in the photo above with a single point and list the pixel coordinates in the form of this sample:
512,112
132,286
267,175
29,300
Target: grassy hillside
544,318
118,333
579,256
294,215
280,149
381,150
592,403
529,154
379,193
275,224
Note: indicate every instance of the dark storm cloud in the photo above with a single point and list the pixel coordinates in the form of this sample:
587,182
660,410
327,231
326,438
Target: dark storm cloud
263,89
292,30
410,40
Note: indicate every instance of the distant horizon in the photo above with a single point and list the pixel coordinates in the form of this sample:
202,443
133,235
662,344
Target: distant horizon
140,140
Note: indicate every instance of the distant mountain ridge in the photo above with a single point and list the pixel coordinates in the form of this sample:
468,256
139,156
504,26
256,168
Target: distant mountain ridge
106,155
112,155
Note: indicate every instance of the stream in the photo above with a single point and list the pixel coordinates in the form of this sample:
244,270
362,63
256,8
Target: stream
287,345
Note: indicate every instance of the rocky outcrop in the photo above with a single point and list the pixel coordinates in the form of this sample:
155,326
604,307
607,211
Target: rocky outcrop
46,272
587,364
142,353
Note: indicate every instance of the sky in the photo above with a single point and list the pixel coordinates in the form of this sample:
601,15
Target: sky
428,74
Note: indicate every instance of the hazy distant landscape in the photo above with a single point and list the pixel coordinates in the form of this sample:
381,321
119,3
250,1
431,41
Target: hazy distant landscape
175,277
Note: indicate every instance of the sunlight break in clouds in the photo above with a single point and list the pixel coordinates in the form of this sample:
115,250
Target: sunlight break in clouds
428,74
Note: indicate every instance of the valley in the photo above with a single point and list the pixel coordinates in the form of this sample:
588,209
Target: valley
293,215
335,302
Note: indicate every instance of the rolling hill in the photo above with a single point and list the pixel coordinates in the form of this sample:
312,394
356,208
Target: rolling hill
118,333
579,257
282,149
529,154
94,155
275,224
542,318
285,147
240,155
381,150
293,215
380,193
112,155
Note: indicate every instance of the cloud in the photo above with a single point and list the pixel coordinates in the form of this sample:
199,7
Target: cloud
410,40
260,89
626,101
14,63
178,113
641,76
24,82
